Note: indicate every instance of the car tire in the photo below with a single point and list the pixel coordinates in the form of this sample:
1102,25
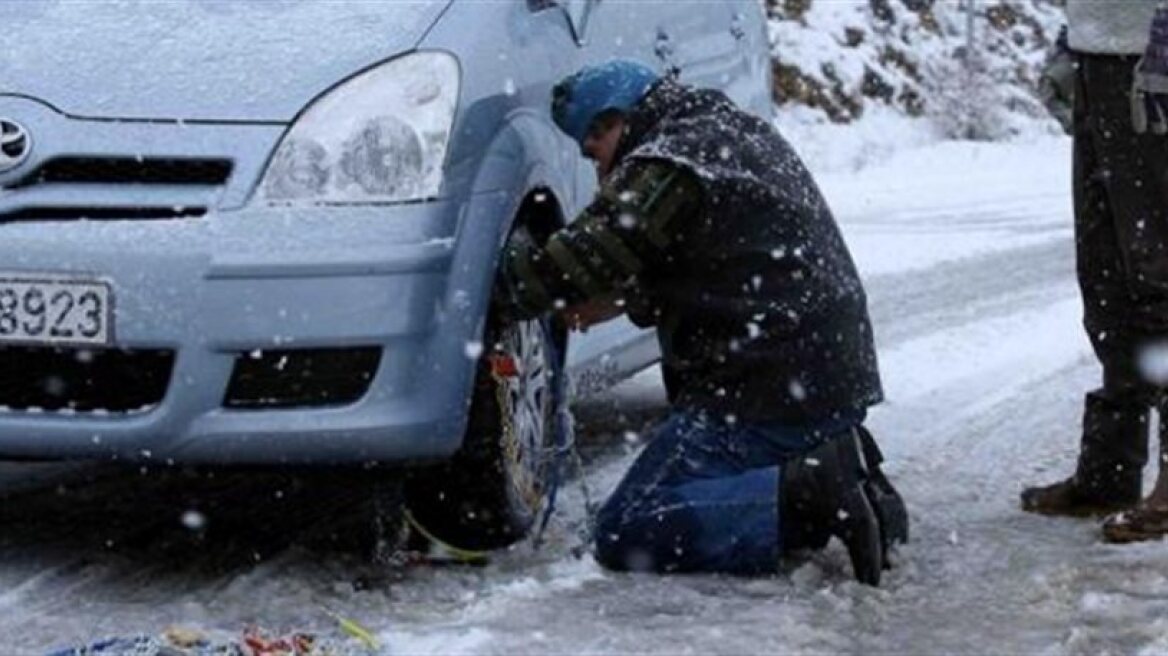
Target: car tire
490,494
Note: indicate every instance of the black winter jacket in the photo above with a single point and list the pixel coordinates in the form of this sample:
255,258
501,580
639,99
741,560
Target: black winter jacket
712,230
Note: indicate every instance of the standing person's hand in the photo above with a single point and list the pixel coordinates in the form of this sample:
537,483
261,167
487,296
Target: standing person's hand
1056,83
1150,86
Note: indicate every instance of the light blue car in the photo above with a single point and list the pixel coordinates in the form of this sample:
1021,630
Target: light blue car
262,232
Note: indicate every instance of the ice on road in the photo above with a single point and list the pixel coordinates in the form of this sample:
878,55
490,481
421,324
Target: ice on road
968,254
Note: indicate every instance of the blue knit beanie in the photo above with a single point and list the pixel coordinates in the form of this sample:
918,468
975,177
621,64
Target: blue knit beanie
613,86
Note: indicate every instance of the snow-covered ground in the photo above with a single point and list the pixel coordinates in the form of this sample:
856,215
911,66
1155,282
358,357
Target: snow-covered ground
968,253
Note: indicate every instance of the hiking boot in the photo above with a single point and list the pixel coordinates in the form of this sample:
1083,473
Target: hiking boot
823,496
1112,456
1071,498
885,499
1141,524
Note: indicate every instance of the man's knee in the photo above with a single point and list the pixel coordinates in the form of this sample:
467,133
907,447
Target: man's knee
614,552
609,553
623,546
611,548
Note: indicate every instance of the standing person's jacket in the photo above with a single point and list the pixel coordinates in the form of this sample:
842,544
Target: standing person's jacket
1110,27
711,229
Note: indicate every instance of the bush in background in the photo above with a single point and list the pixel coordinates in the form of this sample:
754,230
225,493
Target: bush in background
977,79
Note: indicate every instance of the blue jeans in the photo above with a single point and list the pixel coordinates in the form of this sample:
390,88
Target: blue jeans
704,495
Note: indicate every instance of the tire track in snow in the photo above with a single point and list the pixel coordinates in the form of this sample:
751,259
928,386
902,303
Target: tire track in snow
982,576
986,368
915,303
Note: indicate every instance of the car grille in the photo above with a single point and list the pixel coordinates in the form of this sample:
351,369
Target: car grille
129,189
125,170
66,213
83,380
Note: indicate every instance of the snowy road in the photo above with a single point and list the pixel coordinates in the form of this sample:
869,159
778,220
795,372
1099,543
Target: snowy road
968,254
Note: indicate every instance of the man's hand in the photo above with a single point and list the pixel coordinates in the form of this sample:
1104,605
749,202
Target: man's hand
1150,85
1056,84
518,293
585,315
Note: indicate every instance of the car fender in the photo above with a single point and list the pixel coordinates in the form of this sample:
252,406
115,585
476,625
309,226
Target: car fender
525,155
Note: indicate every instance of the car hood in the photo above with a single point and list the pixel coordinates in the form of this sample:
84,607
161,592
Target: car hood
219,60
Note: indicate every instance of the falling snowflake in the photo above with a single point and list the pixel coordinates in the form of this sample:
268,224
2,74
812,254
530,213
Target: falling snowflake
473,350
194,520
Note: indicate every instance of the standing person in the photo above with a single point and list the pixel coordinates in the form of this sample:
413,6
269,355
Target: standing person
1121,224
708,227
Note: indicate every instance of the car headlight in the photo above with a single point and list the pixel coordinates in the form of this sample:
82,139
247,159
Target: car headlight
379,137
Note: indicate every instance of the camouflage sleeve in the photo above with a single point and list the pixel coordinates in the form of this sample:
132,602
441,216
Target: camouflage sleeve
628,229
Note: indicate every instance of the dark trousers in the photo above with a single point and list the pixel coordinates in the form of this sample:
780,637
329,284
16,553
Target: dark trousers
704,495
1121,233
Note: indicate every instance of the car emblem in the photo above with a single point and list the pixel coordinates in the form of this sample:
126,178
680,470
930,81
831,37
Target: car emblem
15,145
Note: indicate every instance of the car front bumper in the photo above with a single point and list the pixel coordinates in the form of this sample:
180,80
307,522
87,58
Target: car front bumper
213,288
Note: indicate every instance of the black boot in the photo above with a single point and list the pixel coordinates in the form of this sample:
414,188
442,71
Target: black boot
885,499
1111,461
823,495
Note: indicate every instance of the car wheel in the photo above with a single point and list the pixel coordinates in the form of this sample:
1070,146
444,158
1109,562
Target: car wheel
490,494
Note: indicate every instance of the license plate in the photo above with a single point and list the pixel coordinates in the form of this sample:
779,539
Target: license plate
55,310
